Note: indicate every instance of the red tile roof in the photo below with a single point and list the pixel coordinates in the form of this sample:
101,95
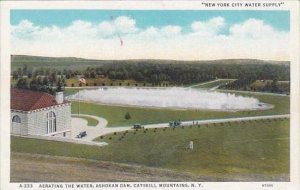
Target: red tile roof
27,100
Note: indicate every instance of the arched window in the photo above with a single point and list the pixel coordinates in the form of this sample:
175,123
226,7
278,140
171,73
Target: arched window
16,119
51,122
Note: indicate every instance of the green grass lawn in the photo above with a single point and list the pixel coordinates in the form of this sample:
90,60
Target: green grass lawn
220,150
115,114
91,121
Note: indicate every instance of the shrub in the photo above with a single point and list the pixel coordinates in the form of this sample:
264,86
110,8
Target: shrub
127,116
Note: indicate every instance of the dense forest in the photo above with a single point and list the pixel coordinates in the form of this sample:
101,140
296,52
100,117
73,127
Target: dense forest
154,72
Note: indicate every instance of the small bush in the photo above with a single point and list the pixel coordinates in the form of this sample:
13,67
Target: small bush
127,116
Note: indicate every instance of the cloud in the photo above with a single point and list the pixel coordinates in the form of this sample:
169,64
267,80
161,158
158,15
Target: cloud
254,29
125,24
171,30
211,27
203,40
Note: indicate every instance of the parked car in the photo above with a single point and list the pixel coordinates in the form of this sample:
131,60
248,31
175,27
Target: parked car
174,123
138,126
81,134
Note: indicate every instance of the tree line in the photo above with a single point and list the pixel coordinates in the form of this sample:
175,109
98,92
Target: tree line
156,73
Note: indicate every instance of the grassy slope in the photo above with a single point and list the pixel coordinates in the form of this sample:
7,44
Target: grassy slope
43,168
115,114
91,121
234,149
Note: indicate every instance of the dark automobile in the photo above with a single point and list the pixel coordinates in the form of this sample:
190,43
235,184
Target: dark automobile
138,126
81,134
174,123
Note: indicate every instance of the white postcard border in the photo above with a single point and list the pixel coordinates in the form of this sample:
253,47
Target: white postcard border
293,6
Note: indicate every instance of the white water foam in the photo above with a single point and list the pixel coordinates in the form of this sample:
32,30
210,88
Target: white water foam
175,97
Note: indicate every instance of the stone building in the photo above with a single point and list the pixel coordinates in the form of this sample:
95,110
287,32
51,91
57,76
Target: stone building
39,113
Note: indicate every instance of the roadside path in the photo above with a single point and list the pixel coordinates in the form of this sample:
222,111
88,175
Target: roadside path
200,84
79,125
109,130
213,88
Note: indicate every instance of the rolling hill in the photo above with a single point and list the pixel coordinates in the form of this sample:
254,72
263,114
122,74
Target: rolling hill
80,63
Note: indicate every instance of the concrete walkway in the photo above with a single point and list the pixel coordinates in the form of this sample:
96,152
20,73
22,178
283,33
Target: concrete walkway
212,81
80,125
101,121
203,83
108,130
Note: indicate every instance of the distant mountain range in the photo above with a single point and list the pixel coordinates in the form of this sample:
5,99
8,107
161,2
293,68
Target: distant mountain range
79,63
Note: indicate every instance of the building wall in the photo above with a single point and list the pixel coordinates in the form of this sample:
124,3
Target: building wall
19,128
35,122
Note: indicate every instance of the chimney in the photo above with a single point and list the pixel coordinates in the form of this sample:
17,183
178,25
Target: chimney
59,97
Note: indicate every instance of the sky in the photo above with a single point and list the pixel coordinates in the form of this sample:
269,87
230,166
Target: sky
151,34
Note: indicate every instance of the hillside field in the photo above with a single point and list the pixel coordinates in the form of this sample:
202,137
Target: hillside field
257,151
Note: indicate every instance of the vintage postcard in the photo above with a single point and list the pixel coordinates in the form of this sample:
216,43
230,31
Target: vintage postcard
150,94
